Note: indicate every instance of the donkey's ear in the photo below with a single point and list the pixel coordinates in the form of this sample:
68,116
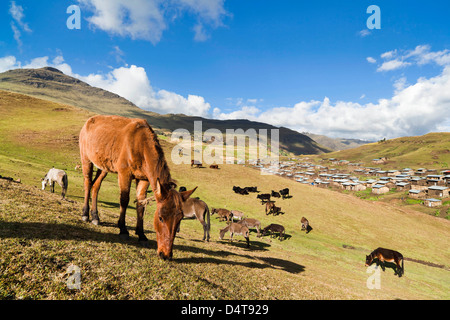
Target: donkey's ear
186,194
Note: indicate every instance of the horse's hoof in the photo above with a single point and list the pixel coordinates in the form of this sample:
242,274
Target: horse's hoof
85,218
95,222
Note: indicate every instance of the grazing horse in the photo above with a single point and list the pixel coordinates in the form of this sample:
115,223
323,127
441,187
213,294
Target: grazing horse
251,223
264,197
197,209
236,228
305,225
214,166
274,228
382,255
130,148
240,190
284,193
56,175
224,214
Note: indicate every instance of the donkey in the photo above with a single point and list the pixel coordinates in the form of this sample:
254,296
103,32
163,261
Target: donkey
224,214
130,148
56,175
382,255
269,207
251,223
237,214
194,208
236,228
305,225
274,228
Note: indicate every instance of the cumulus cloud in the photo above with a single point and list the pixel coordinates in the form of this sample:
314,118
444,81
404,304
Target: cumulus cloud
414,109
148,19
130,82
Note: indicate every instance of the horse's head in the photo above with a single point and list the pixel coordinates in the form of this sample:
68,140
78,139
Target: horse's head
369,260
44,182
168,215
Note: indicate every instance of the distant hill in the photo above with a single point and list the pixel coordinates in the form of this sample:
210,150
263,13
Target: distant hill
429,151
336,144
51,84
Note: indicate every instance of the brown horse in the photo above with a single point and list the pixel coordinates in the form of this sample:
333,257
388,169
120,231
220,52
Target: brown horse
197,209
269,207
387,255
130,148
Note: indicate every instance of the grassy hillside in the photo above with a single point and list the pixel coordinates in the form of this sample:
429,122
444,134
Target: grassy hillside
51,84
41,235
429,151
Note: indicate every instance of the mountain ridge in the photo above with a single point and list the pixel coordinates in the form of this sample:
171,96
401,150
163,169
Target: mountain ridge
52,84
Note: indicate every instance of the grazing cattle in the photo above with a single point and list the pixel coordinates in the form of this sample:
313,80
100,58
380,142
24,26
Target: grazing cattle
237,214
130,148
251,189
224,214
284,193
269,207
56,175
275,194
274,228
195,163
240,190
197,209
305,225
383,255
251,223
236,228
214,166
264,197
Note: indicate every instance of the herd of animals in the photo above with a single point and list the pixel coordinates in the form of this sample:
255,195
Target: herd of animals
105,142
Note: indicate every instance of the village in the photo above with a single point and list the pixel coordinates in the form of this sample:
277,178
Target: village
430,186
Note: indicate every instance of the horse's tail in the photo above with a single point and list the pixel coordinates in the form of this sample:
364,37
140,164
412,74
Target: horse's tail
208,222
403,267
65,182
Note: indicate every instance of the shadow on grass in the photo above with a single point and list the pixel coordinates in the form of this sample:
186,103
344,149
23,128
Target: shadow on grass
83,232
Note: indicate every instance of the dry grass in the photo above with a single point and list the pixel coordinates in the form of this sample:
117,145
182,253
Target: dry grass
41,236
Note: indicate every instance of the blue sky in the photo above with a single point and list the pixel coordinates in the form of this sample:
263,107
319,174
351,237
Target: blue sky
308,65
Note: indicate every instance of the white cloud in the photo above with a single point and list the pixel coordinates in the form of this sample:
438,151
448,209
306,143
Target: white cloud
393,65
18,16
371,60
130,82
389,54
146,19
414,109
364,33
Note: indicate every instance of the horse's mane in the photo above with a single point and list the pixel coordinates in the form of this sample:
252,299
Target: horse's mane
162,170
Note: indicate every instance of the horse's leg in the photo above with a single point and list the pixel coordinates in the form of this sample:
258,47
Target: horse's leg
53,186
208,223
88,169
141,193
124,187
99,176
